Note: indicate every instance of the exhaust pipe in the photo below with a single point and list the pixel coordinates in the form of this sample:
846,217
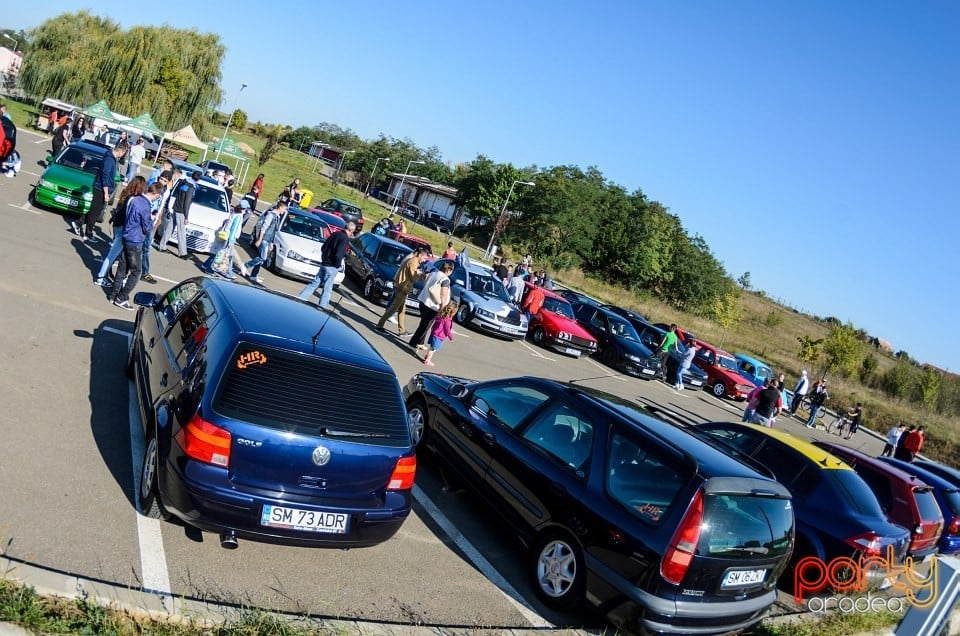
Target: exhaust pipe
228,540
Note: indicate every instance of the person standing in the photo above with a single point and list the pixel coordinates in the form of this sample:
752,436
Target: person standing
103,137
331,259
79,128
913,443
103,185
442,330
854,416
533,303
768,404
138,224
220,260
818,396
450,252
269,223
257,190
665,348
118,221
137,155
500,270
893,438
434,295
182,199
157,215
165,166
685,361
408,274
799,392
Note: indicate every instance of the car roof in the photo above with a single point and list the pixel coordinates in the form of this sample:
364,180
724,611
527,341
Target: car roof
754,361
707,345
271,317
331,219
631,316
91,145
817,455
386,240
933,479
950,470
873,462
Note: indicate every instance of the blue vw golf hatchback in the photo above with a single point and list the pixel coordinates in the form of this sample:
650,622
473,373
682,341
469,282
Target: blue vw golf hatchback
249,400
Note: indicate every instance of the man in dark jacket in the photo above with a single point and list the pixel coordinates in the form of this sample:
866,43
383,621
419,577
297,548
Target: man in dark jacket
103,185
769,404
137,227
331,258
181,200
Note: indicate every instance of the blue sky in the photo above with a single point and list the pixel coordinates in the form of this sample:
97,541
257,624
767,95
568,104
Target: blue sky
810,143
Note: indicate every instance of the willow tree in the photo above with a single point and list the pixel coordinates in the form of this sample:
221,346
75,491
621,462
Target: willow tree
174,74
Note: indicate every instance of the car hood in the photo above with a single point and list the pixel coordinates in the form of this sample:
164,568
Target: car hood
635,348
490,303
562,323
69,177
300,245
209,218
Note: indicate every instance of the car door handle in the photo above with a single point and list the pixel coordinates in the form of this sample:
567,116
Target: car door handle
163,380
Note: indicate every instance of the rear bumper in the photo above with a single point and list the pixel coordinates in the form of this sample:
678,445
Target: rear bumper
216,507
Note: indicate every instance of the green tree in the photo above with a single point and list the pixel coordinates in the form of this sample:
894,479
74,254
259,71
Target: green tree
272,145
173,74
726,311
898,380
238,120
744,281
809,352
868,367
928,387
842,349
300,138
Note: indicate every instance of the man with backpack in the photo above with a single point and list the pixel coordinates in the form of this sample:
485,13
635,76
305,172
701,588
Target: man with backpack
181,200
264,234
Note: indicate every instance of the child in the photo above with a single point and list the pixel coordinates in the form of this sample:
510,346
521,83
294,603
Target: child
442,330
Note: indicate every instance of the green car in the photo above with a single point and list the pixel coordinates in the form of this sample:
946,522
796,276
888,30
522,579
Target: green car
67,183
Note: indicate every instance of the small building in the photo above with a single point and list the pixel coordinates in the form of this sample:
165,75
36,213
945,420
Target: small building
427,195
326,153
10,62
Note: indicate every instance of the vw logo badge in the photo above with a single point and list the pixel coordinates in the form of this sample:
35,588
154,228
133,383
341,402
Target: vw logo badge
321,456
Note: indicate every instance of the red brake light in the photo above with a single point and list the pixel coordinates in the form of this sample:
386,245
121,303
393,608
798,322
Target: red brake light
679,555
205,442
954,526
867,543
403,474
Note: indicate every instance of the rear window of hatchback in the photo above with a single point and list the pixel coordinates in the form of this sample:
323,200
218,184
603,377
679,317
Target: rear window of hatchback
294,392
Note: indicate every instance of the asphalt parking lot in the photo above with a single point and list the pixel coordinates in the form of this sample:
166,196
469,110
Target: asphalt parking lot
70,450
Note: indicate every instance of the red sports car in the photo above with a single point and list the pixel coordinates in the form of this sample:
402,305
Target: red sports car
554,326
723,375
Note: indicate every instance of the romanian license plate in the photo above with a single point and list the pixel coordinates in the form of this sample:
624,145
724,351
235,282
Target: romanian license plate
647,371
64,200
696,383
310,520
737,578
571,351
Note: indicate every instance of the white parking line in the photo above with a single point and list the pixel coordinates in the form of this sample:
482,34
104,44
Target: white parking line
26,207
536,353
153,559
478,560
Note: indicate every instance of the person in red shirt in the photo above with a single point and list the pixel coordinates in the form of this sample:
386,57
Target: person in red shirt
914,443
450,252
534,301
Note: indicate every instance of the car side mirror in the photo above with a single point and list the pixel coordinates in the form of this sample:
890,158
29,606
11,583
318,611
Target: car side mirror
146,299
458,391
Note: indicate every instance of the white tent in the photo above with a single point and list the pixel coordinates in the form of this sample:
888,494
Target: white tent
185,137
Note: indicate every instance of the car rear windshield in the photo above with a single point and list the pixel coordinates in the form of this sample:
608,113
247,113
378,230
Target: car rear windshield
290,391
745,527
855,491
953,501
927,503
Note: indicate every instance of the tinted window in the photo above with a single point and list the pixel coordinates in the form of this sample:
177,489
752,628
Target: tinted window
210,198
392,254
563,434
743,527
174,302
509,404
584,312
641,479
854,491
953,501
727,363
927,503
788,467
879,484
289,391
190,330
622,329
85,160
742,439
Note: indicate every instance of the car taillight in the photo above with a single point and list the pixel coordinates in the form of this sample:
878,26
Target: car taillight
677,559
867,543
403,474
954,526
205,442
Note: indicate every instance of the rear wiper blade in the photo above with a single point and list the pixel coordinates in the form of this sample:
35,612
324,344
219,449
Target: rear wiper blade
333,432
749,550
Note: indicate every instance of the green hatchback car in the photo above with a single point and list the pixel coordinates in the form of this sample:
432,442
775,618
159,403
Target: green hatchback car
67,183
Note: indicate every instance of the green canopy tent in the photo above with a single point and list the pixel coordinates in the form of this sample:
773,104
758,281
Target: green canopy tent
100,110
145,123
228,147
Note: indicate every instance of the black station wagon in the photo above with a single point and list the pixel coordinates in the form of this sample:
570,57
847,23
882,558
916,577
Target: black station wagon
248,400
661,529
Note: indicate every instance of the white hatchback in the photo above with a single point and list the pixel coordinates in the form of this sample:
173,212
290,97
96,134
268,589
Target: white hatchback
207,213
297,245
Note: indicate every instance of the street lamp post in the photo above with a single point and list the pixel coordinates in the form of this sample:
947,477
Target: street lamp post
336,175
403,178
502,217
15,42
229,118
366,191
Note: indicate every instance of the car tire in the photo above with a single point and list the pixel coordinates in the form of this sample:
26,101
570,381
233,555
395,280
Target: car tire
148,498
417,420
463,314
719,390
539,336
609,356
558,571
368,285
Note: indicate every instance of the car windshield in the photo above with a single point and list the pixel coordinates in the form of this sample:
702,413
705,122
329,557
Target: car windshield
391,254
745,527
488,286
623,329
210,198
728,363
346,208
558,306
304,227
80,159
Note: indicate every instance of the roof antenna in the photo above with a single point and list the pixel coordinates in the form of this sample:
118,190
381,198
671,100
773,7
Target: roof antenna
329,313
